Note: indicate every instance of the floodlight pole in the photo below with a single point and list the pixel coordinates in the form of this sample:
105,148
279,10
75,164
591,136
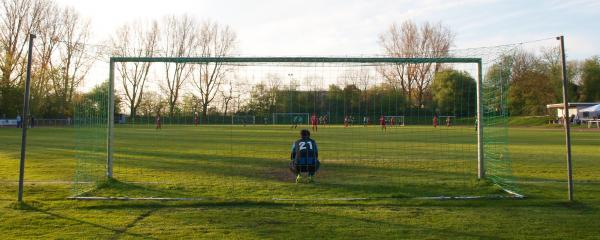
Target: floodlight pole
480,162
111,120
24,119
566,115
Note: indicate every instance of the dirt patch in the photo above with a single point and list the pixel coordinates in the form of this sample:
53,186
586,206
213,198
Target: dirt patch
284,174
280,174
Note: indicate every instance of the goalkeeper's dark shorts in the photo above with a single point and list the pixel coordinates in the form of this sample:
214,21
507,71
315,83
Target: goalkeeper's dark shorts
303,167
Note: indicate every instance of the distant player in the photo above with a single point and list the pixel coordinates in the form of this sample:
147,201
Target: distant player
295,121
392,121
196,119
365,121
304,157
158,121
346,121
448,121
382,123
435,120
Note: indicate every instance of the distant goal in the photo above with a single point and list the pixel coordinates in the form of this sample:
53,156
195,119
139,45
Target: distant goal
243,120
291,118
394,120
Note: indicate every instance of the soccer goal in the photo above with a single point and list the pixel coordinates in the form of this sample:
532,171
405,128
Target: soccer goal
394,120
243,119
162,159
291,118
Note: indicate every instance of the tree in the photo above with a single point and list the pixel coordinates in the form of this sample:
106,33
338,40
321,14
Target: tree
135,39
76,57
93,102
410,40
231,92
590,80
530,86
215,41
18,18
152,104
362,78
190,103
45,67
454,93
179,39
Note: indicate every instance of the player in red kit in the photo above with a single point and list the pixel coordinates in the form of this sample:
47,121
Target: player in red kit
435,120
314,121
196,118
382,123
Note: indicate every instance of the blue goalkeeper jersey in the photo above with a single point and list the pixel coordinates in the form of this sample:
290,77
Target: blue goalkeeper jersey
305,151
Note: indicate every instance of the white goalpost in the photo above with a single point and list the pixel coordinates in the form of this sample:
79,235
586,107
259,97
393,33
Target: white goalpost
394,120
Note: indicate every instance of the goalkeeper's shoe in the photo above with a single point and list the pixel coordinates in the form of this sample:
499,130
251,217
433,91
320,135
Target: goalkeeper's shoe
299,178
311,178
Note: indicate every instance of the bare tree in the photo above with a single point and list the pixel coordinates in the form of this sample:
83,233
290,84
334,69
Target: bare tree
135,39
76,57
215,41
49,32
410,40
228,93
179,38
18,19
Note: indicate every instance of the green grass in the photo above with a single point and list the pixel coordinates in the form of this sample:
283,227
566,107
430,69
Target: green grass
239,181
529,121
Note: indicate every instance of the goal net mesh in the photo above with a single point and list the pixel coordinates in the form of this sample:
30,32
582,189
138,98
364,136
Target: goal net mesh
190,148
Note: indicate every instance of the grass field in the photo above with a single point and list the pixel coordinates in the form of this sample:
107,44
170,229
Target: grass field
241,182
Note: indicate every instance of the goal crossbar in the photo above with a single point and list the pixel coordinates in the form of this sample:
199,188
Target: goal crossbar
295,59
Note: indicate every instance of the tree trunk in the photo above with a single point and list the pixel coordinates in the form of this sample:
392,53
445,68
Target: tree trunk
132,111
204,113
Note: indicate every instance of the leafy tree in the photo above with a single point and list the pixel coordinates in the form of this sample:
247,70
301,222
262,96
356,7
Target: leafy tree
454,92
95,102
590,80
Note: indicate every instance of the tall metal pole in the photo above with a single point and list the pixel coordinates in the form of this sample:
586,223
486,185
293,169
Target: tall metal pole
111,120
566,115
480,162
25,119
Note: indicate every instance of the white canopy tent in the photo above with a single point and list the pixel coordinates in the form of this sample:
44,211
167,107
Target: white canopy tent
591,112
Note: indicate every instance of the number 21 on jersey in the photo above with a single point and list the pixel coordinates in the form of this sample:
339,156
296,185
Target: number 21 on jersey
303,145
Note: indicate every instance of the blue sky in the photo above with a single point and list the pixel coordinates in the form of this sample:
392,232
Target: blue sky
351,27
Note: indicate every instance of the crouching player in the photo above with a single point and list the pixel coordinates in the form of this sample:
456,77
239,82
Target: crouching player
304,157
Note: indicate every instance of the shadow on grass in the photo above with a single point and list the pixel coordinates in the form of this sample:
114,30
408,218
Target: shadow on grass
119,188
431,232
118,232
256,168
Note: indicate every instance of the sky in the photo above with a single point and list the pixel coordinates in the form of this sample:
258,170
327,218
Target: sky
352,27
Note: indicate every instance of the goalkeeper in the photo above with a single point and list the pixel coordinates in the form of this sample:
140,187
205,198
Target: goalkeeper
304,157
